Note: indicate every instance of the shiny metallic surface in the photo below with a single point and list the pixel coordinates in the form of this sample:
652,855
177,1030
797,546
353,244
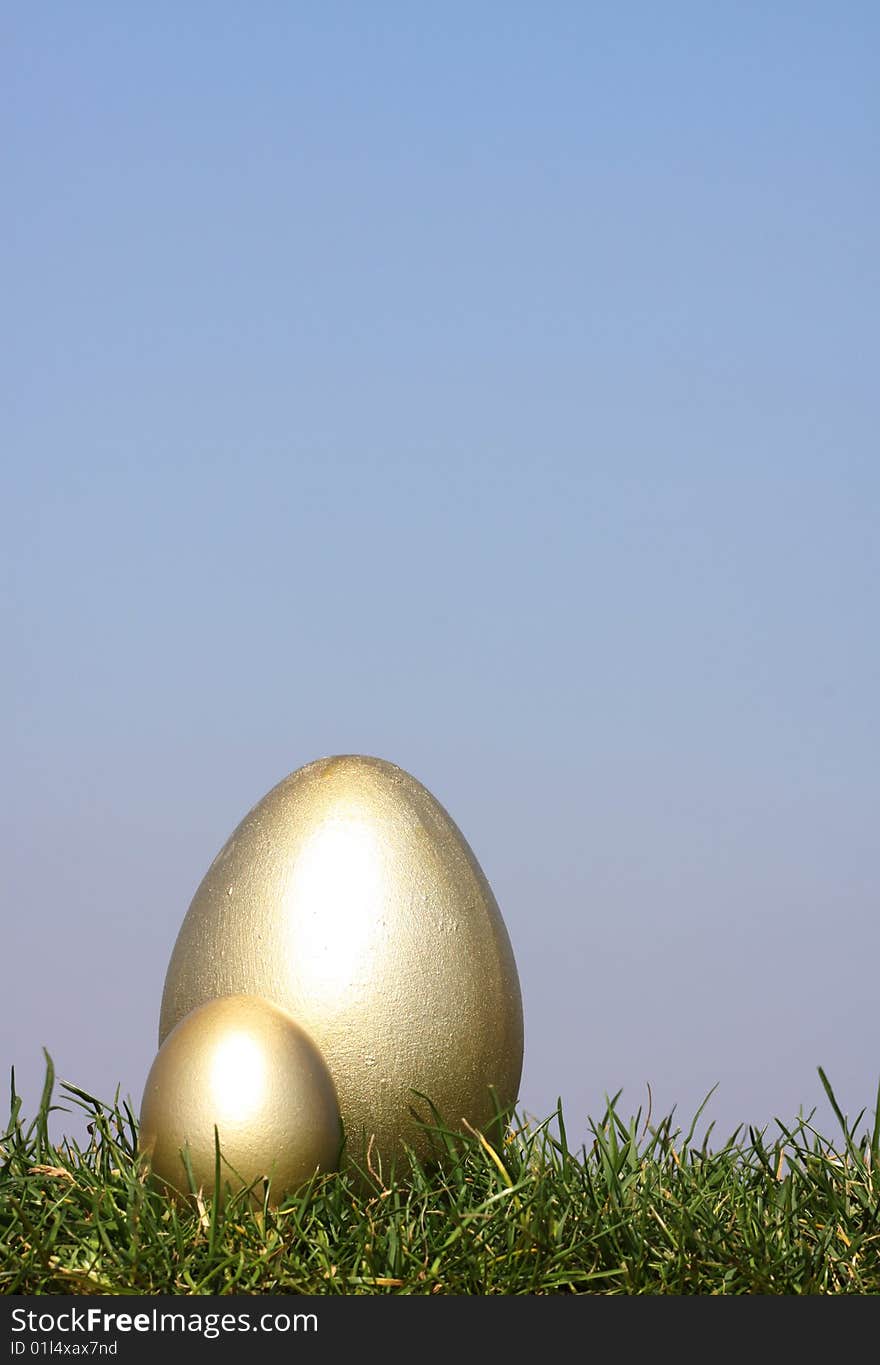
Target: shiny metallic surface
244,1065
349,897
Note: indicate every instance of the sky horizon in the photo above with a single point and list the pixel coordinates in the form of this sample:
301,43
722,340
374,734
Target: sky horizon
493,392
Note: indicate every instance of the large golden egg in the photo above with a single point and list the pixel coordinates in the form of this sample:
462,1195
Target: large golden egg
243,1066
350,898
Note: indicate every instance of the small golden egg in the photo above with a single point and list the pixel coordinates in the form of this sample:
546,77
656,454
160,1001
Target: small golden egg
350,897
242,1065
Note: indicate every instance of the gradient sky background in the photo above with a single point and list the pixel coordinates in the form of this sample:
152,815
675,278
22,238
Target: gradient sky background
491,388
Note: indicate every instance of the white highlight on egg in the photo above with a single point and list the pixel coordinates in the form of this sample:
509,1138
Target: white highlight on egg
338,875
238,1078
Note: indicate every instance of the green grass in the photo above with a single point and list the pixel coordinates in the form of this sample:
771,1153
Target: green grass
641,1208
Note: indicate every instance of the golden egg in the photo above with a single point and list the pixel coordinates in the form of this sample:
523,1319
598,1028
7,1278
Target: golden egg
244,1066
349,897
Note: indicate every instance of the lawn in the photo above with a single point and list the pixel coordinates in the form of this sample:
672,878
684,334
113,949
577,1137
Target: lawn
641,1207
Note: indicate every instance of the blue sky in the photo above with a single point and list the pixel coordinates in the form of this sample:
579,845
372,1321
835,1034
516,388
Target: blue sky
492,389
